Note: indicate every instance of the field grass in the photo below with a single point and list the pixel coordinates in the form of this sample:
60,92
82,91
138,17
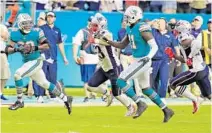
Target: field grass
69,91
103,120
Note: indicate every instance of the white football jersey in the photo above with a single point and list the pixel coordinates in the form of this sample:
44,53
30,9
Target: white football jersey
107,54
193,52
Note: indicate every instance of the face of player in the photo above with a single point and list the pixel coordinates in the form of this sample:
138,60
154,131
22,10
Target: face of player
94,27
50,19
27,25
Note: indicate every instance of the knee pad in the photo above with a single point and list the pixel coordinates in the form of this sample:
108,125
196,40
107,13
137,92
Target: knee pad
121,83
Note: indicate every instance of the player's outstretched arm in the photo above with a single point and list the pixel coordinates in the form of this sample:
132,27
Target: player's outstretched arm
146,35
125,41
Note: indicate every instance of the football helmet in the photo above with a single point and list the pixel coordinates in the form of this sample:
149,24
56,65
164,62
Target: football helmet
24,22
132,14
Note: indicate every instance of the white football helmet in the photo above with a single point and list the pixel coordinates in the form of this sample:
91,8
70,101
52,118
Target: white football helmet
183,26
132,14
184,36
98,22
24,22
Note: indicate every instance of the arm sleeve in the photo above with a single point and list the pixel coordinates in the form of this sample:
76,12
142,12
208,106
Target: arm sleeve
195,48
79,38
154,48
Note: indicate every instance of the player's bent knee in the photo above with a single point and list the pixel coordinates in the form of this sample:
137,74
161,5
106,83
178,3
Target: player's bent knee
44,84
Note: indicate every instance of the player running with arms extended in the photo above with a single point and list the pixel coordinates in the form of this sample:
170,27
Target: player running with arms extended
110,66
28,41
144,48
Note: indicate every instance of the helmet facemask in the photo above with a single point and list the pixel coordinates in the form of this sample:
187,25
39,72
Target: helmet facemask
26,26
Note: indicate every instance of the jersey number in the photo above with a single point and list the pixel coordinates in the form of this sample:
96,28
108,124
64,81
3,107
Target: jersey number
132,41
100,53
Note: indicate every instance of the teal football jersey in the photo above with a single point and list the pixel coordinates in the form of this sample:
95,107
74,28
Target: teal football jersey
34,38
140,47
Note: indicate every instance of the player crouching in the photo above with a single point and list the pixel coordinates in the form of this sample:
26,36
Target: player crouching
29,41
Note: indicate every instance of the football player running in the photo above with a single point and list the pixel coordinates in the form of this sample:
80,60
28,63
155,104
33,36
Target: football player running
198,71
110,66
29,41
144,48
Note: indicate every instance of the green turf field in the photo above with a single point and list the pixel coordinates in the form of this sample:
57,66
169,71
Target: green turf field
103,120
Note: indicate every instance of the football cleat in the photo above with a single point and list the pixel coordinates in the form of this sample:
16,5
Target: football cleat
86,99
16,105
168,113
196,104
68,104
131,110
109,99
141,107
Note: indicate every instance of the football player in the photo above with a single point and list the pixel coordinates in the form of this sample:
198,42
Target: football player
198,71
29,41
144,48
110,66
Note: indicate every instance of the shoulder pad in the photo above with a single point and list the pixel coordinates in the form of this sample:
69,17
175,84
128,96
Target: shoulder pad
144,27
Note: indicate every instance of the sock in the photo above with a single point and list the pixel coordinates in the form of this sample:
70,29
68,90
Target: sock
129,91
154,97
52,88
186,93
124,100
19,90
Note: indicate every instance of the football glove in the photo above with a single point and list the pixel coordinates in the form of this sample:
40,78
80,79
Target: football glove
169,52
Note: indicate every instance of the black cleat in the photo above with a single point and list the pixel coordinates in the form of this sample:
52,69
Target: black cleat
86,99
168,113
16,105
68,104
141,107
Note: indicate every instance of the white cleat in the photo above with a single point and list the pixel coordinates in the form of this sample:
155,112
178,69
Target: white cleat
109,100
196,104
40,99
131,110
